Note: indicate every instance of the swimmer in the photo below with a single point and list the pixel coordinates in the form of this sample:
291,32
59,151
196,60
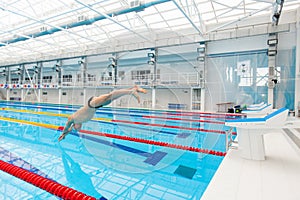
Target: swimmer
88,111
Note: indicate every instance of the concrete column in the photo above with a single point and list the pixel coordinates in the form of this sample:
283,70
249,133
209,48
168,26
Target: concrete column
153,97
154,83
272,51
202,108
297,74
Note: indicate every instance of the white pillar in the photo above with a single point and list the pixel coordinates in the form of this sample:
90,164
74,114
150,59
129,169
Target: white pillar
153,97
39,95
22,94
272,51
59,95
191,98
7,94
297,74
202,108
84,96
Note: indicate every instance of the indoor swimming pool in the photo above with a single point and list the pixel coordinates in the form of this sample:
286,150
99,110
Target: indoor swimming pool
119,154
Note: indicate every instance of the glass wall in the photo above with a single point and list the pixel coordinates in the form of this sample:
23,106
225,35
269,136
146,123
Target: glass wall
241,78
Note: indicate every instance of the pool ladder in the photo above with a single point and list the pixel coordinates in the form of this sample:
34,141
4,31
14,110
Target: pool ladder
230,143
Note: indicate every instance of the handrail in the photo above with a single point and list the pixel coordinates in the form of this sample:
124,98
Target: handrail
229,140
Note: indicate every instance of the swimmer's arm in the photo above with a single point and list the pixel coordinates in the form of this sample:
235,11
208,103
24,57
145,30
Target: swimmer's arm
67,129
63,135
65,132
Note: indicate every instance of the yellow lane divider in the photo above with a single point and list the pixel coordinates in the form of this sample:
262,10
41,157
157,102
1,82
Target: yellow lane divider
35,112
51,114
50,126
102,119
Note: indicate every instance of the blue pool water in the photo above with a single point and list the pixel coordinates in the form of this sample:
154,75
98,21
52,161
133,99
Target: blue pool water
107,167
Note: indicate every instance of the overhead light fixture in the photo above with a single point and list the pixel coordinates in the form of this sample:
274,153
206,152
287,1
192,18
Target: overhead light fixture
272,42
272,52
152,58
201,49
112,59
57,68
151,55
112,65
275,81
151,62
201,58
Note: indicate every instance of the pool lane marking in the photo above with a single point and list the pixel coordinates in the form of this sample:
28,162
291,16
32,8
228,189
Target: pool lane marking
168,126
50,114
121,137
183,119
36,112
130,114
50,126
151,158
157,143
18,161
125,121
94,119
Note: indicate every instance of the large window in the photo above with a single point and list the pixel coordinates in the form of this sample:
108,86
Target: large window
67,78
47,79
140,74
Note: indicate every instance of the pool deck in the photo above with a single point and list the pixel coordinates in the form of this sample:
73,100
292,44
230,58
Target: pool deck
275,178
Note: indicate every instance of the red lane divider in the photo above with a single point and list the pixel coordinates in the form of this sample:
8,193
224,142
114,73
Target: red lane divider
165,144
168,126
182,119
202,114
48,185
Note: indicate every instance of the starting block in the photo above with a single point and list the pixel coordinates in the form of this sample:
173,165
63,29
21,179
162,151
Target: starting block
250,132
258,110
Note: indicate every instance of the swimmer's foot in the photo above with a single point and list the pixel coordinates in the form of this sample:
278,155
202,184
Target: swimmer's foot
135,94
141,90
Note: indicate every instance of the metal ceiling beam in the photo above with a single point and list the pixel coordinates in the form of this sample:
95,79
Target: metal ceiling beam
55,29
55,16
240,19
113,20
39,34
277,8
188,18
202,24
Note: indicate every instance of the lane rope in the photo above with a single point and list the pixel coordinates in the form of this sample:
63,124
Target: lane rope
123,121
139,140
43,183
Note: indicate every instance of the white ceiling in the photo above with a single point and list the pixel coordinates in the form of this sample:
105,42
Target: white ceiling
39,29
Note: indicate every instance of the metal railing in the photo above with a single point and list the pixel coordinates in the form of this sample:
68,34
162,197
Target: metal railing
229,141
170,79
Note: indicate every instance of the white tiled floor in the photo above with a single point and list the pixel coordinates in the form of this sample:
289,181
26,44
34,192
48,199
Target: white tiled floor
276,178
